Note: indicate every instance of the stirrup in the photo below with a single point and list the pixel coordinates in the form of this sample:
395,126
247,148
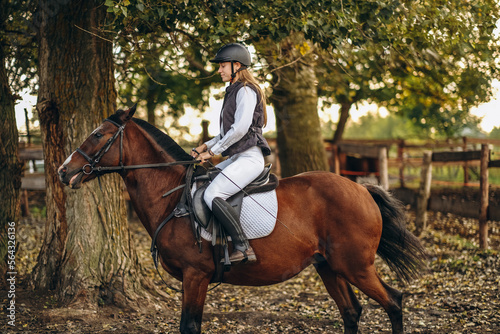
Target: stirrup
246,256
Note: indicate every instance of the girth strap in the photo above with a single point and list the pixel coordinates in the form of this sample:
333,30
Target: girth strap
154,250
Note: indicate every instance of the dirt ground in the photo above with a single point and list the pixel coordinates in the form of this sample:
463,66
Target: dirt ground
458,294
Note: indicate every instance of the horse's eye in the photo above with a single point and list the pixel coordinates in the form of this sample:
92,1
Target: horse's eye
98,135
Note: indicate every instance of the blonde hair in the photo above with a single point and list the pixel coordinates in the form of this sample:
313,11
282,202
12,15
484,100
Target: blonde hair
247,78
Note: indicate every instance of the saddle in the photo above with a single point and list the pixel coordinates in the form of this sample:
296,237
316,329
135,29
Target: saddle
263,183
193,205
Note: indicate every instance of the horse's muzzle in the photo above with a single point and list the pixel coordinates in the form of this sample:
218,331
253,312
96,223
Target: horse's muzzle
72,179
62,173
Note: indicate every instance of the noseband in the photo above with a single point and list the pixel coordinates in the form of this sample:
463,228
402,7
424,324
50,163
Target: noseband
90,167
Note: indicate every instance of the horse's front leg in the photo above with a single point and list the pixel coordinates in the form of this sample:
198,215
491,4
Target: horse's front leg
195,285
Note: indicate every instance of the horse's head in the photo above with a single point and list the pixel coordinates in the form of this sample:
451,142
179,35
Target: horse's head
102,148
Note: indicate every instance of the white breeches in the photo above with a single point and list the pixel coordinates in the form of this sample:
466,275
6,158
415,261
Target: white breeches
237,172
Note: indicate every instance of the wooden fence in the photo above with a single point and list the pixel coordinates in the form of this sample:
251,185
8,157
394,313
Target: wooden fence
483,156
371,158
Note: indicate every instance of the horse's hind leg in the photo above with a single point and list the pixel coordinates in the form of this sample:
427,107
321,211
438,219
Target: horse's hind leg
344,297
389,298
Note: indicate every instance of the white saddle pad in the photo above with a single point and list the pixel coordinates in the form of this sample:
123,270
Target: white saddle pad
258,215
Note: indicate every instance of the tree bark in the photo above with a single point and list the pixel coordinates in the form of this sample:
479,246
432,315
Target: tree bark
86,255
295,101
343,117
10,168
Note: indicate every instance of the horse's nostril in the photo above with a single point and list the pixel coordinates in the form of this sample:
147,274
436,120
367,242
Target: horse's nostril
62,170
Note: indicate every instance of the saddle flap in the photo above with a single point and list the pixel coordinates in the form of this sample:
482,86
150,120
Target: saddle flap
200,209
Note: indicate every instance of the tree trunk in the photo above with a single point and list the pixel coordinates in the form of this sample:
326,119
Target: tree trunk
295,101
86,255
10,168
344,116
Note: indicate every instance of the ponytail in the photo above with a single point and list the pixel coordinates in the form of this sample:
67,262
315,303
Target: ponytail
247,78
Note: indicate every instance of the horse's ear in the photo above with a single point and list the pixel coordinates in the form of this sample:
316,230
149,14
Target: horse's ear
132,110
126,115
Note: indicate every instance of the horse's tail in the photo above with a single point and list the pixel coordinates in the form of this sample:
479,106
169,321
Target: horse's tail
398,247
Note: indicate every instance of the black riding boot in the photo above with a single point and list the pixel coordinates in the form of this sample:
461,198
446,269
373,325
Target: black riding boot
227,216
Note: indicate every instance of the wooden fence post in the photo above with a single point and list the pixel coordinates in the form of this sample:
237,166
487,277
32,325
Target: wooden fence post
383,169
401,146
423,193
336,159
483,189
466,163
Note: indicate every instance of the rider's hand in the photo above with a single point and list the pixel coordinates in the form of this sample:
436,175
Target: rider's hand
204,156
195,152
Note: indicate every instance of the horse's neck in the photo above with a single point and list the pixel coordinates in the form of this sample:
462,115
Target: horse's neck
147,185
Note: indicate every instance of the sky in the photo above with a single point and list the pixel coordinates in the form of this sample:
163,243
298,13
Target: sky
489,112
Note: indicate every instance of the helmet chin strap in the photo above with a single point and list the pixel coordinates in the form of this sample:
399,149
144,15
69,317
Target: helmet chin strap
233,73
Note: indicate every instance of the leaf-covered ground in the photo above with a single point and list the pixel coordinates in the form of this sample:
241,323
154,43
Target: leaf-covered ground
459,294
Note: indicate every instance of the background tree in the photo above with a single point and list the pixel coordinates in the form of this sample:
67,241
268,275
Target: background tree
10,168
295,100
374,126
86,255
495,133
430,63
19,34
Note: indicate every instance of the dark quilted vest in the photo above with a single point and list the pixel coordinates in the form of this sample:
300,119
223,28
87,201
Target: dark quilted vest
254,135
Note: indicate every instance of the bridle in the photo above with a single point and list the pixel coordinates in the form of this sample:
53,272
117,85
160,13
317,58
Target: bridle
91,167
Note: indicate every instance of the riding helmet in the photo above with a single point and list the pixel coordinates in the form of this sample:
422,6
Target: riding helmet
233,52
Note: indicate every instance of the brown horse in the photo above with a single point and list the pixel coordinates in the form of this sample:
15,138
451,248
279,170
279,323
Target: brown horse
324,219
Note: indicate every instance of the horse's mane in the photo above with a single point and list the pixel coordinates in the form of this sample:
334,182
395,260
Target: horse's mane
167,143
164,140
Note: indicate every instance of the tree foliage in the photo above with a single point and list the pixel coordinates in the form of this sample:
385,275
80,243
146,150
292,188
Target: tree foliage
432,64
421,59
18,35
150,75
374,126
495,133
427,61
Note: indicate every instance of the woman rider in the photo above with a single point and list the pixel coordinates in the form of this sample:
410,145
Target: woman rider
242,117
